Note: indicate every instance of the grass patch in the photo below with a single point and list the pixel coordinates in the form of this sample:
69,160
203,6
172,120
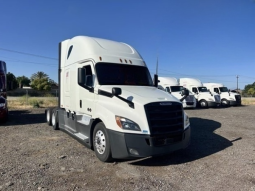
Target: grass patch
248,101
32,102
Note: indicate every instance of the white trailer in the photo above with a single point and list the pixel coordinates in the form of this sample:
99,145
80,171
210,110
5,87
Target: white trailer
108,102
171,85
227,98
203,96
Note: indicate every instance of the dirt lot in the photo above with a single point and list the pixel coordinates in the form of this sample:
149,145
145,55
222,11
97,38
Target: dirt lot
221,157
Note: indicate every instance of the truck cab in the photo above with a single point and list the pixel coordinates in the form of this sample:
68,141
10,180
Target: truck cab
171,85
203,96
108,102
227,98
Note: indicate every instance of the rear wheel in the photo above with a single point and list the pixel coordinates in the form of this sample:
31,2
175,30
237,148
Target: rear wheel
54,119
48,114
101,143
203,103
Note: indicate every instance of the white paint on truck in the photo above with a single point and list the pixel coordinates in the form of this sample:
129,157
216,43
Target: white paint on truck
203,96
171,85
227,98
108,102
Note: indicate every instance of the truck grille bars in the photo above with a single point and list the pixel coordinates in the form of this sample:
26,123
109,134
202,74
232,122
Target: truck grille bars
238,99
164,118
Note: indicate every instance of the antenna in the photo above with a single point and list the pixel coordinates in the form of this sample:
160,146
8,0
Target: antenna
156,75
157,66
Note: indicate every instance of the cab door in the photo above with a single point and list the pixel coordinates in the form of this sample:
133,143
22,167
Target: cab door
85,100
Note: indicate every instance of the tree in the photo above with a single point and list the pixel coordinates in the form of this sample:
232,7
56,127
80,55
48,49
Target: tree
23,80
247,87
251,91
39,75
11,81
42,84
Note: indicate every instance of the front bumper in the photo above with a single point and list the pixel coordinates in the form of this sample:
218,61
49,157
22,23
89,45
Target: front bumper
235,103
213,104
3,114
189,104
125,145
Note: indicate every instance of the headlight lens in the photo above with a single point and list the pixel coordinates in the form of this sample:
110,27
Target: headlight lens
126,124
186,121
2,105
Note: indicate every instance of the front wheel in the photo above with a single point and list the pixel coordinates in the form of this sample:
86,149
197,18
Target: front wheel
225,103
101,142
203,104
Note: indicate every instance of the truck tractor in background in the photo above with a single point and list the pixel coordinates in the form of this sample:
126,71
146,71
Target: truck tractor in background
3,95
108,102
171,85
203,96
227,98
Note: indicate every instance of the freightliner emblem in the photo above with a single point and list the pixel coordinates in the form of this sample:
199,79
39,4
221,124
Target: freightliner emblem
165,103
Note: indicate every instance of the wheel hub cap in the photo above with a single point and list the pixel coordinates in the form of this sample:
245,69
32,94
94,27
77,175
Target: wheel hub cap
100,142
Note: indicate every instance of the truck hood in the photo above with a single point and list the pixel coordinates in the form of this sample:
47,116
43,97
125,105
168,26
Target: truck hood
142,94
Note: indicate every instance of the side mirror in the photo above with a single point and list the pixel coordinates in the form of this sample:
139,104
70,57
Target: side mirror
116,91
185,92
155,80
81,76
89,81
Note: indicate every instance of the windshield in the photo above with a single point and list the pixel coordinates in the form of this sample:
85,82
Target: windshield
176,88
223,89
202,89
120,74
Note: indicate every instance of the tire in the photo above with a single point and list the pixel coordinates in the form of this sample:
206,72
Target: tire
101,143
54,119
225,103
203,103
48,114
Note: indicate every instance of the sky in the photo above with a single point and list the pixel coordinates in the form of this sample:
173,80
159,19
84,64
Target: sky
211,40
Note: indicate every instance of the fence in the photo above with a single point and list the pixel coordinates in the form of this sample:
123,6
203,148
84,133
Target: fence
32,93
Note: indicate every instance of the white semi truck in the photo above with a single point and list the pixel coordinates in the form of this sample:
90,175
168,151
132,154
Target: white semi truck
171,85
203,96
227,98
108,102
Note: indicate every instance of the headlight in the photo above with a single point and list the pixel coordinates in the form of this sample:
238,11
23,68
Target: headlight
186,121
2,105
126,124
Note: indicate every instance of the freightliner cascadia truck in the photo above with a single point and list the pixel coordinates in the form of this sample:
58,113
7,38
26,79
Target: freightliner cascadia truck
203,96
109,103
171,85
227,98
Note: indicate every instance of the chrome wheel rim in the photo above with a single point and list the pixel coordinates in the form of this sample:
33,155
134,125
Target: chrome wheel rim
100,142
48,116
203,104
53,120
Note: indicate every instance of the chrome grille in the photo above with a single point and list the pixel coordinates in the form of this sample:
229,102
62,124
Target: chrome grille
164,118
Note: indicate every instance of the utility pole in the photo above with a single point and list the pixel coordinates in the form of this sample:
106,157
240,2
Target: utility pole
237,81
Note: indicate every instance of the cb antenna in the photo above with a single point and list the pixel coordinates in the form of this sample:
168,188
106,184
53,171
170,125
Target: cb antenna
157,66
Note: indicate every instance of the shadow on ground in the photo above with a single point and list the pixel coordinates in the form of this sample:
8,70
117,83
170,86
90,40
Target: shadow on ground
25,117
204,142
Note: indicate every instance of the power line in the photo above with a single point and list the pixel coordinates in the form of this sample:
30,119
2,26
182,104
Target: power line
28,54
15,60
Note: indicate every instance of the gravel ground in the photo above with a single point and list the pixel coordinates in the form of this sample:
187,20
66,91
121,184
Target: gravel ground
221,157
